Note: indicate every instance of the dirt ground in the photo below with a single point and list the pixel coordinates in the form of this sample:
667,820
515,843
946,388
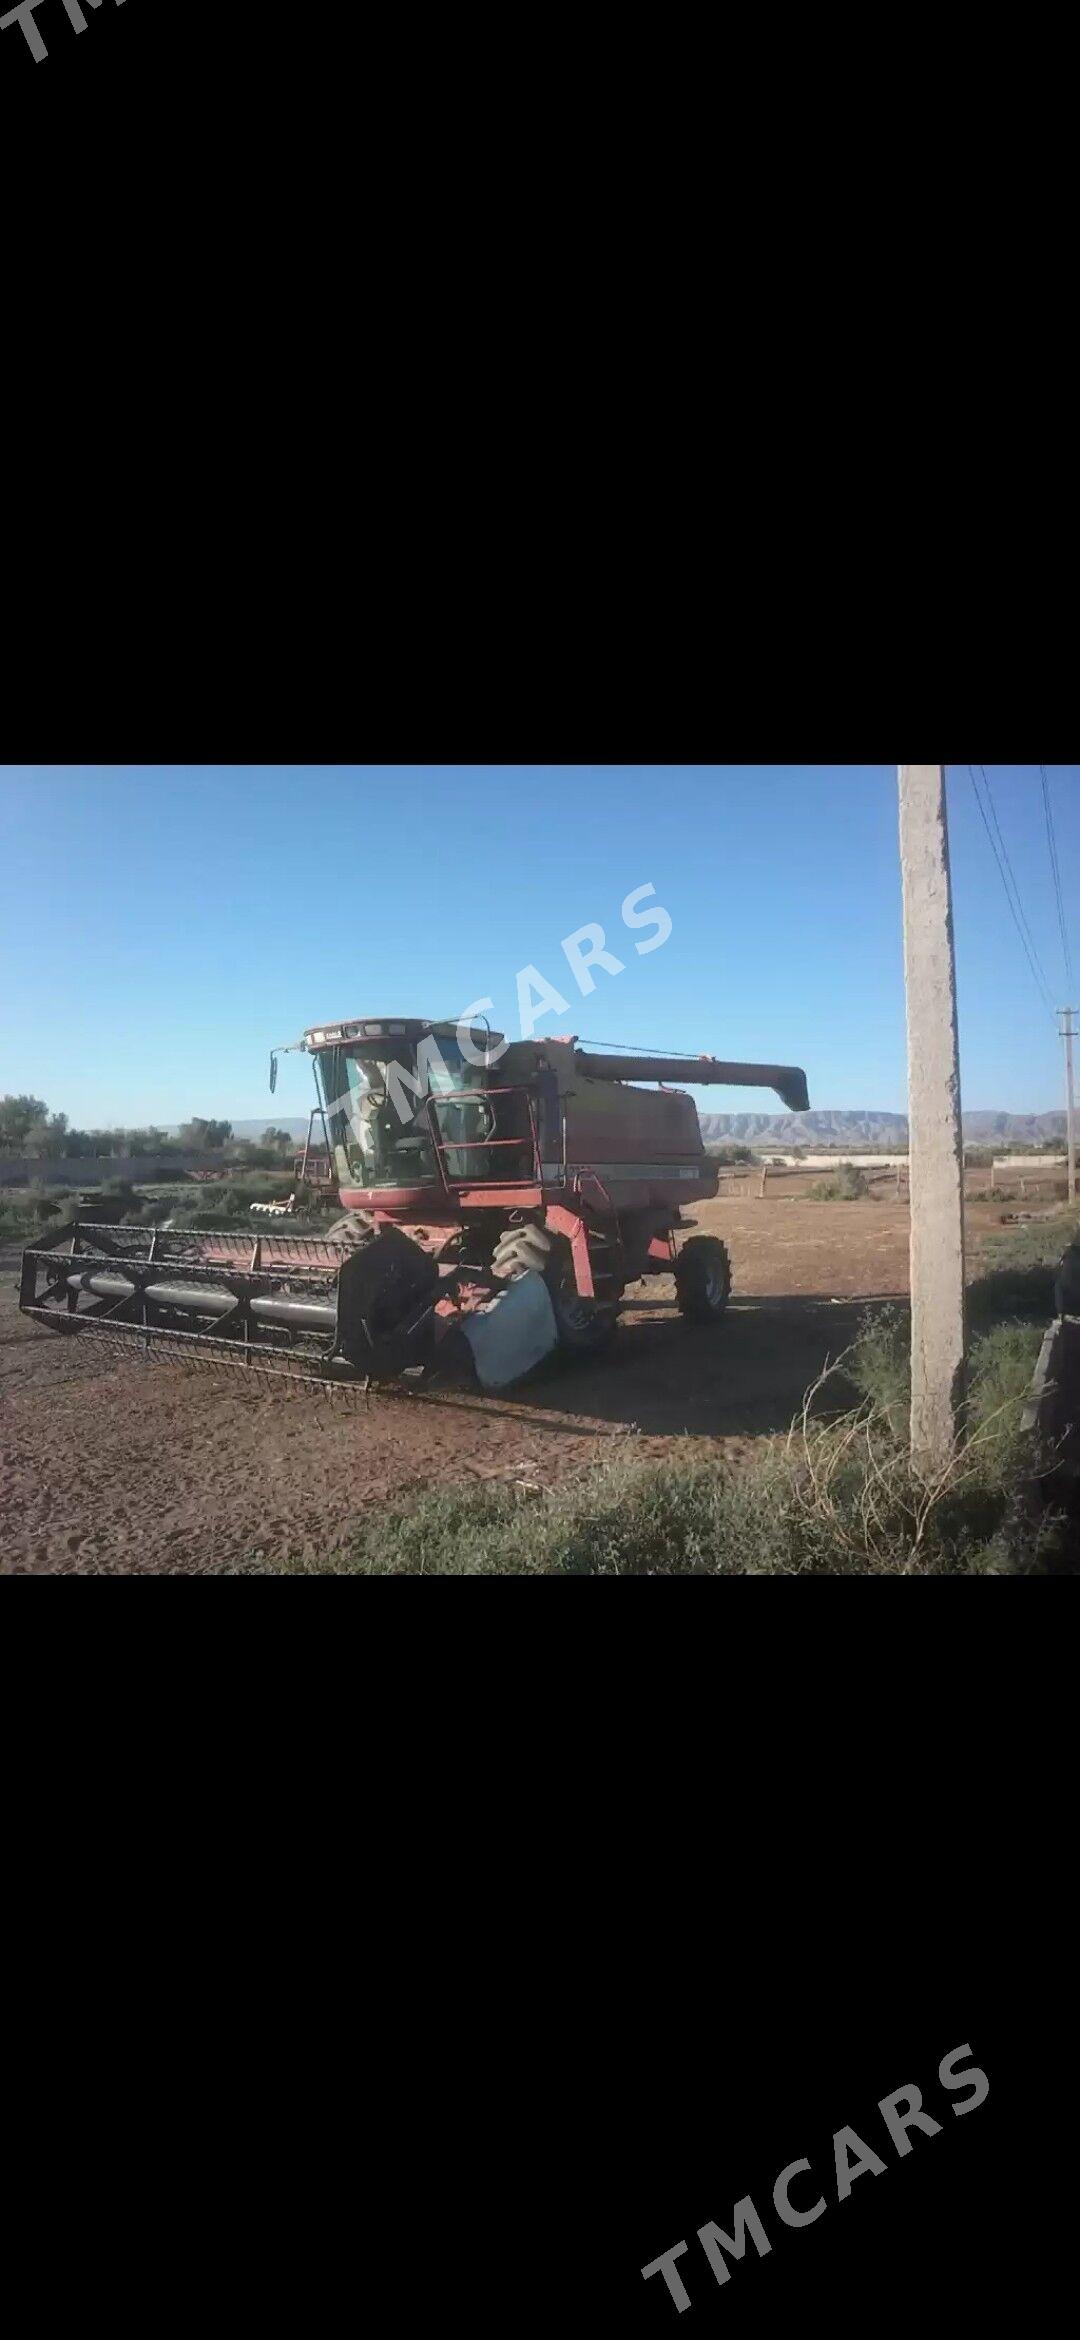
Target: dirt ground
126,1467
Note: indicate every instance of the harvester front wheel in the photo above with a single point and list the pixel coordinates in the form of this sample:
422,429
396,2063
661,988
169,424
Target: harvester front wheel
703,1279
584,1326
354,1231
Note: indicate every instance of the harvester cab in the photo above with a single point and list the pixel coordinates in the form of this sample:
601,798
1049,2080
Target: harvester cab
498,1197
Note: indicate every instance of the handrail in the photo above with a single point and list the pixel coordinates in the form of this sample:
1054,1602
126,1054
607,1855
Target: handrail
481,1145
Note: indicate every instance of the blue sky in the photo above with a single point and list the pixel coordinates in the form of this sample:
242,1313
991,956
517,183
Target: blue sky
163,927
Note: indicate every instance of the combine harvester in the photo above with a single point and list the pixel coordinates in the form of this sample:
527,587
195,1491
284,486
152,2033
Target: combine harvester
499,1197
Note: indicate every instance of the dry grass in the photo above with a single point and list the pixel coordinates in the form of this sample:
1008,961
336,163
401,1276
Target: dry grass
836,1497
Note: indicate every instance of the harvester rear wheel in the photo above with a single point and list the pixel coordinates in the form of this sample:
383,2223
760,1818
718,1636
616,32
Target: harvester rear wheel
703,1279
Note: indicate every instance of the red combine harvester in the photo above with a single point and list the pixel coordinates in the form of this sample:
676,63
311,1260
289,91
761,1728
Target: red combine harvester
498,1198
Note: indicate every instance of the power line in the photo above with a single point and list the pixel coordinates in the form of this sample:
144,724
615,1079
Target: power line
1056,874
1008,879
1017,911
1012,874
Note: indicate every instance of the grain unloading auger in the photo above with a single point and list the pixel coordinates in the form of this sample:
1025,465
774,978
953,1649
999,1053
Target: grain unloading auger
499,1197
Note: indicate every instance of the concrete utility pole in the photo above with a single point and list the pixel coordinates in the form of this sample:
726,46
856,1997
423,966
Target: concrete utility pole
1068,1034
936,1157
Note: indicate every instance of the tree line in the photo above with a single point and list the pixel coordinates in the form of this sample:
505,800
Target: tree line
28,1127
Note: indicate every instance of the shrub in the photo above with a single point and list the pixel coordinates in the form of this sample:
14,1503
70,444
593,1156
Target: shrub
840,1503
846,1185
1018,1268
26,1211
1001,1362
880,1366
69,1202
838,1497
50,1202
15,1223
1001,1367
251,1154
1035,1243
228,1204
120,1190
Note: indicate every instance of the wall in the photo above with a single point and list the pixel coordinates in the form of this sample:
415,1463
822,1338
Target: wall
93,1169
832,1161
1030,1164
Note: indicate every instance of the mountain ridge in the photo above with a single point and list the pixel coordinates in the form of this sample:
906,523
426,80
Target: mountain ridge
870,1128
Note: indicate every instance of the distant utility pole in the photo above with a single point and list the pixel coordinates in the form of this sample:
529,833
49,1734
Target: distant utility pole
936,1156
1068,1034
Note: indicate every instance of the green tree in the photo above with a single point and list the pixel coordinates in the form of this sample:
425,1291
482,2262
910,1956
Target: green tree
47,1136
18,1115
201,1136
143,1141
